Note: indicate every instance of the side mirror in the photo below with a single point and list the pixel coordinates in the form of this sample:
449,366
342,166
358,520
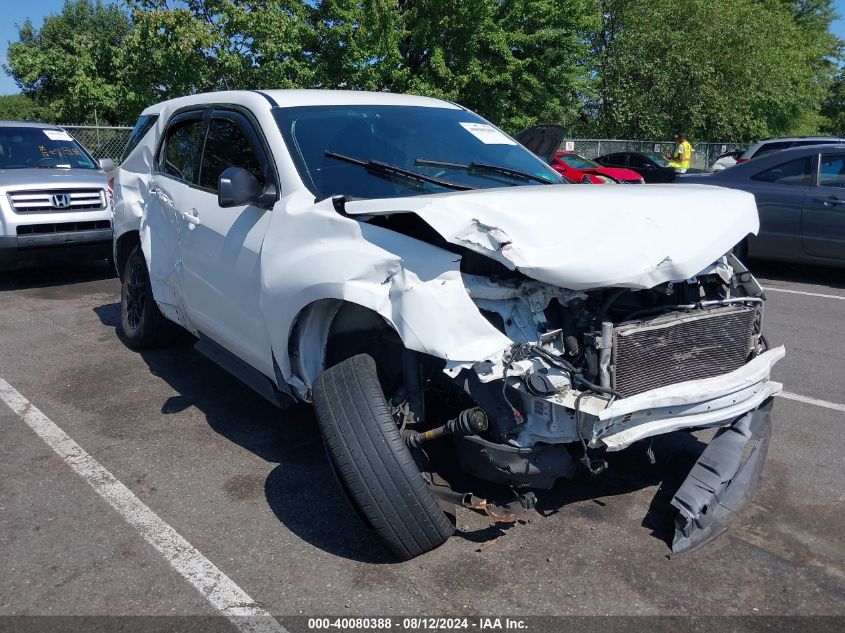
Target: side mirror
236,187
106,164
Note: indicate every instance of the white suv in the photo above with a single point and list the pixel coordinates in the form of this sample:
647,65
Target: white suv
54,201
444,299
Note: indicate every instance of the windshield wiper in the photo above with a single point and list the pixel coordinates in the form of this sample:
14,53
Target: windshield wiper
391,172
482,168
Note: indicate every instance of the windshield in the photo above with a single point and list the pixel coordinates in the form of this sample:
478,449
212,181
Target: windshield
27,147
577,162
415,139
657,158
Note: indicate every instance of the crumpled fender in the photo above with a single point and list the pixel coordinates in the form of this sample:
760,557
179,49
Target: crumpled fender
415,286
137,209
722,481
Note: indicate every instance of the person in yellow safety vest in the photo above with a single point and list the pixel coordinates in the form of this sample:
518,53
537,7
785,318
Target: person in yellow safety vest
682,157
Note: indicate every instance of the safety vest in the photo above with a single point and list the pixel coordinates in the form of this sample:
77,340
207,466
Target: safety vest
683,155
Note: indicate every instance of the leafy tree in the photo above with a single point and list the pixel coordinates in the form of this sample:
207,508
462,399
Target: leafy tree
22,108
720,69
516,62
68,64
181,47
833,108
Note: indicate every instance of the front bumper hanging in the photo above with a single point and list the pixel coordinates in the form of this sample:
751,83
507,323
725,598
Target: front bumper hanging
722,481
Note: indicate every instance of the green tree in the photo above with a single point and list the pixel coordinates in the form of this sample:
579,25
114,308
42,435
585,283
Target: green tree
719,69
179,48
22,108
833,108
517,62
68,64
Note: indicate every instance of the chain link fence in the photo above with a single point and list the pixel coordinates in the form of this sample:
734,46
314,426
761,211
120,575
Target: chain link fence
109,142
703,154
101,142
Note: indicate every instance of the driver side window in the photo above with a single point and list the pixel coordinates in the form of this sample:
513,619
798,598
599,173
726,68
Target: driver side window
637,161
228,145
795,172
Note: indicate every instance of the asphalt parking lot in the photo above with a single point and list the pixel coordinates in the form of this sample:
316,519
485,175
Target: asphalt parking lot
248,486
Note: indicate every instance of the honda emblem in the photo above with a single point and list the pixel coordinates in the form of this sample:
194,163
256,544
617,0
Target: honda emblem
60,200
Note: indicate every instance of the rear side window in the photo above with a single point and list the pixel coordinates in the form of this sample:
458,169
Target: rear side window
144,124
796,172
227,145
182,147
768,148
615,159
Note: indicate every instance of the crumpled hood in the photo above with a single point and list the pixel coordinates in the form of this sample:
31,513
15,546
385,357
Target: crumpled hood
582,237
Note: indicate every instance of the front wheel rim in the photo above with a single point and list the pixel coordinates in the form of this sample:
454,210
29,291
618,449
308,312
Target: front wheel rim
135,296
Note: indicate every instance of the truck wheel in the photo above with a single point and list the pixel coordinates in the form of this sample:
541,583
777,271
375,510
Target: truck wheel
142,322
376,469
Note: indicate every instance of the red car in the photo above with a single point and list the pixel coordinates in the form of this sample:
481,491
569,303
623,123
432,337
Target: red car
580,169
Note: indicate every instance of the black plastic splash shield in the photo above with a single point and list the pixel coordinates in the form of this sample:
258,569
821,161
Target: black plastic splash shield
723,480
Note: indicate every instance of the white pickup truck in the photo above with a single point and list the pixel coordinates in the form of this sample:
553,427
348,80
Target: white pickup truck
445,299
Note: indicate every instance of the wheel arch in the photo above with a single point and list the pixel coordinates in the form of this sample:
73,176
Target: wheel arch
123,247
328,331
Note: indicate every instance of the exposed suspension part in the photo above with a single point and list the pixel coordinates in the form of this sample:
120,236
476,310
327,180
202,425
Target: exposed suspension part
469,422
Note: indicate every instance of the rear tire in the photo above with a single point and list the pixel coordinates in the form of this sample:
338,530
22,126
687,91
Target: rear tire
142,323
375,467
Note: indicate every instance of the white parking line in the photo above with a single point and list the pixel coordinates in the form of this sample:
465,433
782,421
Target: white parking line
215,586
803,292
815,401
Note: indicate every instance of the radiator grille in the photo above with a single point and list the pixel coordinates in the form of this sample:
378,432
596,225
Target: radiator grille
672,349
57,200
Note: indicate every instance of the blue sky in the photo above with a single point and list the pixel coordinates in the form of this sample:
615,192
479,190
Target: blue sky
15,13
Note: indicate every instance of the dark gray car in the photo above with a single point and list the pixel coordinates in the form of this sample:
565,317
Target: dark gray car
800,195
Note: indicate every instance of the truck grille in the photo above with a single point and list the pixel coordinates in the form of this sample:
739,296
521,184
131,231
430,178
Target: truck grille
671,349
57,200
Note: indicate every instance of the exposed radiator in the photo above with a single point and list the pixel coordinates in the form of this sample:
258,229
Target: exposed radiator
678,347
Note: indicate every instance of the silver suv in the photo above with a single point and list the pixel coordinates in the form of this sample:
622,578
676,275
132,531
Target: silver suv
54,197
769,145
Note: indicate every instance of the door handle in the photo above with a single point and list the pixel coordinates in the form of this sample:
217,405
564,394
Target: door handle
830,201
191,217
163,197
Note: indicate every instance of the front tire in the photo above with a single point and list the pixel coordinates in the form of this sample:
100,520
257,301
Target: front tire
373,463
142,323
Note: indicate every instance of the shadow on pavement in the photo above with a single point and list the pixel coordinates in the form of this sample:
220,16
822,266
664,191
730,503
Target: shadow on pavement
56,274
302,491
798,273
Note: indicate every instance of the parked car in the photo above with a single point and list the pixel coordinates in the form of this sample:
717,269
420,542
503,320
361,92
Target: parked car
726,159
650,166
54,201
443,298
545,141
769,145
580,169
800,195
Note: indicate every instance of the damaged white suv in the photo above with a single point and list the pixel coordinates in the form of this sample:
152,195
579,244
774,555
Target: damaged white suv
445,299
